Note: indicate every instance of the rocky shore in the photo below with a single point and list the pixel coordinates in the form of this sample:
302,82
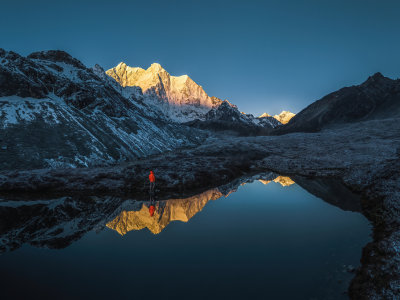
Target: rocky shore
364,156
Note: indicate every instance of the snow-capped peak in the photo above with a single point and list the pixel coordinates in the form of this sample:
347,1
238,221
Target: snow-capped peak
182,98
264,115
284,117
155,67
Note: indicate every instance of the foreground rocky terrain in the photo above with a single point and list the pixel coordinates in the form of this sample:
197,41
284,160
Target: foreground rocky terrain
364,156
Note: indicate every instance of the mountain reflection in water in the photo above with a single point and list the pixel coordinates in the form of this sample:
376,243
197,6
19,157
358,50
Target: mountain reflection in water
275,235
165,212
173,210
57,223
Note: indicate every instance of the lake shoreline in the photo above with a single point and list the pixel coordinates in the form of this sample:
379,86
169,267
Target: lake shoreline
364,156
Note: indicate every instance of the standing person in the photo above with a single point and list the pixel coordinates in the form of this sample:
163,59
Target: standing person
152,179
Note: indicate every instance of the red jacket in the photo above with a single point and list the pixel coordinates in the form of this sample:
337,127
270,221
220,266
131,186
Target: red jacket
151,210
152,178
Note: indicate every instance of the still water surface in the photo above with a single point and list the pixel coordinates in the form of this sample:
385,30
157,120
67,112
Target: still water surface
264,241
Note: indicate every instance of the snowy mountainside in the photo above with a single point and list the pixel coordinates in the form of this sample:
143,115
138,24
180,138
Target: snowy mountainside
56,112
179,98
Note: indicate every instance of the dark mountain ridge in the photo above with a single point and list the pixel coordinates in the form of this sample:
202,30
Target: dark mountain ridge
377,98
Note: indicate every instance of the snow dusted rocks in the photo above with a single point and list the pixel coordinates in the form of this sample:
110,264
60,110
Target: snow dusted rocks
55,112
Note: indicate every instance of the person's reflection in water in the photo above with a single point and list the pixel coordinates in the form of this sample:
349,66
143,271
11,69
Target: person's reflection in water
152,206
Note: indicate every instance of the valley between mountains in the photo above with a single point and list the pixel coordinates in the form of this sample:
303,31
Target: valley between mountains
66,129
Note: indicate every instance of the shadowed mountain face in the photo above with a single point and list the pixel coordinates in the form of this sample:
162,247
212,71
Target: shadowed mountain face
55,112
376,98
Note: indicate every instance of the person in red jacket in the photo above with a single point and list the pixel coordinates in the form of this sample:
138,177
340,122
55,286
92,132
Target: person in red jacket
152,179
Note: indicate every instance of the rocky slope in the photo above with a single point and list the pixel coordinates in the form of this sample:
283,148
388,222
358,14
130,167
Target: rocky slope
55,112
377,98
179,97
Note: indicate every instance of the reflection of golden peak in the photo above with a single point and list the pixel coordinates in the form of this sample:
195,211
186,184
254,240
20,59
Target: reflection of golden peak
264,181
282,180
174,210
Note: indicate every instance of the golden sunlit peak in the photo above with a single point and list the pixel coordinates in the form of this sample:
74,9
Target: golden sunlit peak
155,66
264,115
121,64
284,117
264,181
282,180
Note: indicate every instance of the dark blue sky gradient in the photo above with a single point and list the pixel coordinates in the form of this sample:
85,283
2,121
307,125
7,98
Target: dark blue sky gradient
264,56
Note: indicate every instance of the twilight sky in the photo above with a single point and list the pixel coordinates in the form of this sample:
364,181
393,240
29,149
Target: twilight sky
264,56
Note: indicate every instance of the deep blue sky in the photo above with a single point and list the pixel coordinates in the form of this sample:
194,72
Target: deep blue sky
261,55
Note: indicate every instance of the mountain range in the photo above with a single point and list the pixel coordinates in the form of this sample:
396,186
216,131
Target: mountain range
56,112
180,99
